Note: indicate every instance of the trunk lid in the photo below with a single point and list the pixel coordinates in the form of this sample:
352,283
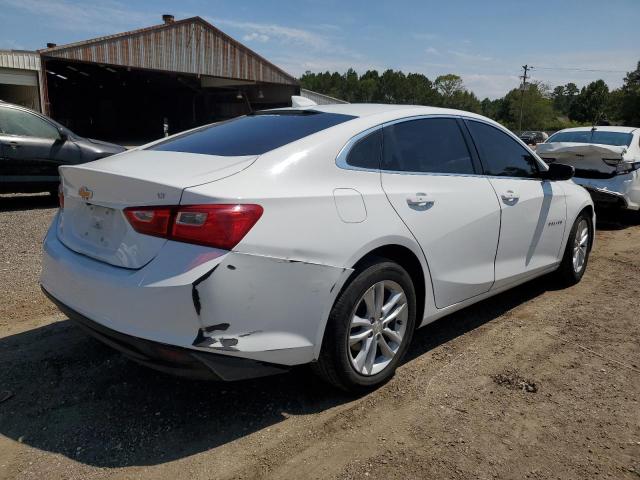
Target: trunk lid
585,157
95,194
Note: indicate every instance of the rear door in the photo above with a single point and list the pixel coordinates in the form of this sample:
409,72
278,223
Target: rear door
430,178
533,210
32,147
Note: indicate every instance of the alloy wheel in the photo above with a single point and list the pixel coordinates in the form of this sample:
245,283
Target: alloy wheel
580,246
378,325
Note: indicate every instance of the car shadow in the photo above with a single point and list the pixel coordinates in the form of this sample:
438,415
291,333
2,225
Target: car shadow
616,219
463,321
75,397
13,203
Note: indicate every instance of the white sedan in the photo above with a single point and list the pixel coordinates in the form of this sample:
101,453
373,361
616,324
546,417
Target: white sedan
606,159
322,235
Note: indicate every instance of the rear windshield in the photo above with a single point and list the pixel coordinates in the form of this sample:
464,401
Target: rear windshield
253,134
618,139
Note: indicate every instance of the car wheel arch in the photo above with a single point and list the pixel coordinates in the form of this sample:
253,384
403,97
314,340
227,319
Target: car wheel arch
408,260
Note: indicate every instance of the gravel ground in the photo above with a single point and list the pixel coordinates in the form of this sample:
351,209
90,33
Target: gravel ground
538,382
24,220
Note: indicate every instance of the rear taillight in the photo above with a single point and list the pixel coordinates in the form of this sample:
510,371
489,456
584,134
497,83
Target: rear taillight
150,220
612,162
621,166
220,225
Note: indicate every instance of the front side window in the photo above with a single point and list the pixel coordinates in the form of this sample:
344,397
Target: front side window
430,145
366,153
501,155
24,124
253,134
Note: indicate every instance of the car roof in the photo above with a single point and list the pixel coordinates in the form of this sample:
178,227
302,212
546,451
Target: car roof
18,107
370,109
601,129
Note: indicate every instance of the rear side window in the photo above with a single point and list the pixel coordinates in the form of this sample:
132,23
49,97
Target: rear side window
367,152
434,145
253,134
501,155
24,124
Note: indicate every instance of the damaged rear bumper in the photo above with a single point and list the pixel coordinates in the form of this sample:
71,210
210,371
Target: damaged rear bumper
621,191
604,197
241,305
171,359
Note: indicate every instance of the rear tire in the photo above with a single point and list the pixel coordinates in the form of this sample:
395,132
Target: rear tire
576,254
370,327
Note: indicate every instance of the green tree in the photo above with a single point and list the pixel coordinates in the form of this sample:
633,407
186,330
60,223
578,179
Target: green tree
537,108
541,108
369,87
492,108
350,86
629,100
448,85
465,100
591,104
420,90
563,96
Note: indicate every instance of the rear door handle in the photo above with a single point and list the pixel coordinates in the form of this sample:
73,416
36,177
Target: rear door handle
420,200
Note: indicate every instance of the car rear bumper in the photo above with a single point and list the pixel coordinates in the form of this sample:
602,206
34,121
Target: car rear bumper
245,306
168,358
619,191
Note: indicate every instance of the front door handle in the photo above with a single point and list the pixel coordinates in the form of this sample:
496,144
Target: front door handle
510,196
421,200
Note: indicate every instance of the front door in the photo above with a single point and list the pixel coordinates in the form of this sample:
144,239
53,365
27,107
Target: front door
533,210
430,179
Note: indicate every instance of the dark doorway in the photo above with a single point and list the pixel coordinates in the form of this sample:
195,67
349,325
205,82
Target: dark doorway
132,106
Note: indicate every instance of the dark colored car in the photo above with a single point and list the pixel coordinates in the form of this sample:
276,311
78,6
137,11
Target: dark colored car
533,138
32,147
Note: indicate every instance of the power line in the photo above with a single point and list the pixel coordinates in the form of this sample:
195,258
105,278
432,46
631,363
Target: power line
581,69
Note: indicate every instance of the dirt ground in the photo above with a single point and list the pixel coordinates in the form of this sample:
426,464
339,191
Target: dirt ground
538,383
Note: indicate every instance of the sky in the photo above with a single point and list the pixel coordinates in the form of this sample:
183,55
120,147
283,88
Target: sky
484,41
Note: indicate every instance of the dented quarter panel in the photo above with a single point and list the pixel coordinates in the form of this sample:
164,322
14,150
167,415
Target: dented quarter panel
279,304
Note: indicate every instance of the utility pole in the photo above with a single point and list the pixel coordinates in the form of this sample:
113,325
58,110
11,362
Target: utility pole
524,77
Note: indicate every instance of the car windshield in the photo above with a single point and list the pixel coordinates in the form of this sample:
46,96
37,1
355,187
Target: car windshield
253,134
619,139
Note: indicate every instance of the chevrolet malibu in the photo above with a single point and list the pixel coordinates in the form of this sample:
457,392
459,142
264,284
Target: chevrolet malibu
322,235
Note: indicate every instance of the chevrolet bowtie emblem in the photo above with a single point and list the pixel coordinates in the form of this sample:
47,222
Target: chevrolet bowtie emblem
85,193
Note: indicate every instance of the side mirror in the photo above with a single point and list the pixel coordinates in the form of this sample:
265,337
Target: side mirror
558,171
63,135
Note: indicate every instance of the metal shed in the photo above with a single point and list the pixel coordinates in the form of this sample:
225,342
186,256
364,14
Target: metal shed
182,74
20,77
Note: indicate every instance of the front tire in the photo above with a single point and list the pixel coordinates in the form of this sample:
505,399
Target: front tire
576,254
370,327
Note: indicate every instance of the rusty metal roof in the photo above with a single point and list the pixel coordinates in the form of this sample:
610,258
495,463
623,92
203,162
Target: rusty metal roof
20,59
191,45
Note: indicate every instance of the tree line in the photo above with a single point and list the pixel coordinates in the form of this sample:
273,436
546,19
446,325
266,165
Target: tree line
543,108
